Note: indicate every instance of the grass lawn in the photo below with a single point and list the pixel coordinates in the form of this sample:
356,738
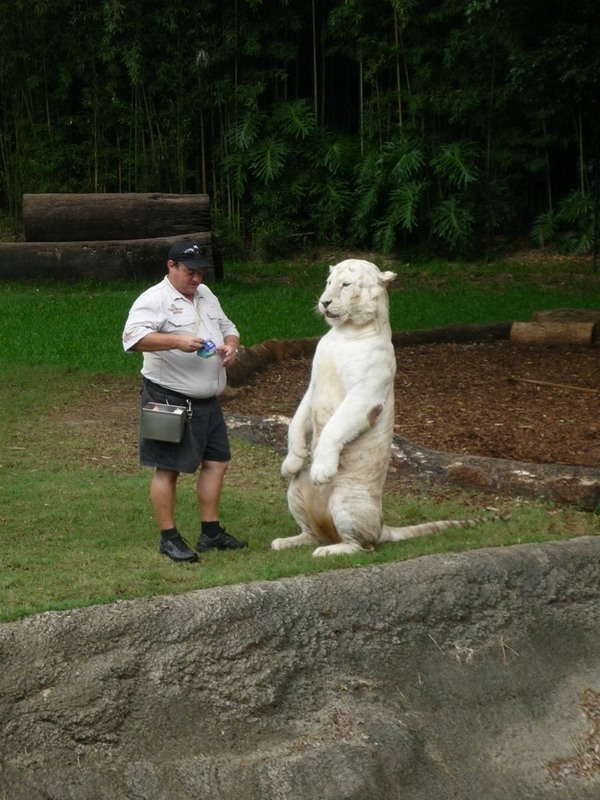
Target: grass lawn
76,521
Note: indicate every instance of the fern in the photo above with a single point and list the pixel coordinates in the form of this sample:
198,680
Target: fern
452,222
268,159
571,227
295,119
577,208
544,228
456,163
401,158
244,132
234,167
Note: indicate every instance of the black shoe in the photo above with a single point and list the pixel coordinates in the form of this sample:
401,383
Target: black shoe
222,541
176,548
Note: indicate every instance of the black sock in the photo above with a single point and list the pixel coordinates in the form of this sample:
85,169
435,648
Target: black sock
211,529
168,533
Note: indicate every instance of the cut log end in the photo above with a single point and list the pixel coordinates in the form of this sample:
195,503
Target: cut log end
553,334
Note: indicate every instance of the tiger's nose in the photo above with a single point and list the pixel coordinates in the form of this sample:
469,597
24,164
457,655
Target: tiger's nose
325,303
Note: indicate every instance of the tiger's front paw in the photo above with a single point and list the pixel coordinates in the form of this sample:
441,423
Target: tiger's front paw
323,470
291,465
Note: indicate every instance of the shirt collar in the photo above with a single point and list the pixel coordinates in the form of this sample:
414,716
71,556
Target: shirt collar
174,293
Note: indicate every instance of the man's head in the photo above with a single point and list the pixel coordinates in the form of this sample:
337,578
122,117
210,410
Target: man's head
189,253
186,263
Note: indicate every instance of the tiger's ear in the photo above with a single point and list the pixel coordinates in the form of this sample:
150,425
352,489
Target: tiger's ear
387,277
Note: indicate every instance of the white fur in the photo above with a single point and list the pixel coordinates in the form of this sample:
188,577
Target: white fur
346,420
346,417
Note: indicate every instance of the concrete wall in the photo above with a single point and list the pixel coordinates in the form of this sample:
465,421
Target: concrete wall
472,676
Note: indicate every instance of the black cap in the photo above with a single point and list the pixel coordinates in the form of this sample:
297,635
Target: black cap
189,253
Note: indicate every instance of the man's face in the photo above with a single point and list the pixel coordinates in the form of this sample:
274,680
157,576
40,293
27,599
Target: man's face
185,280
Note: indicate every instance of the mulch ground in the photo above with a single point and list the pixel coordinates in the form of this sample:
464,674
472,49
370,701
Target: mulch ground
493,400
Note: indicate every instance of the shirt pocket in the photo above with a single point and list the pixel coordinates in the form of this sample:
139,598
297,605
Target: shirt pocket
212,325
182,322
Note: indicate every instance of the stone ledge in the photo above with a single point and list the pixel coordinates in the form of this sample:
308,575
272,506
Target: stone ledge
454,675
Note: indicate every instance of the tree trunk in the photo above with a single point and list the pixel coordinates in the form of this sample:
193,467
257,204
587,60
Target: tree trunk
128,258
552,334
112,216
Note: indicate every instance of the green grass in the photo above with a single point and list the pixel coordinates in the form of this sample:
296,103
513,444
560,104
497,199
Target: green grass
75,519
79,325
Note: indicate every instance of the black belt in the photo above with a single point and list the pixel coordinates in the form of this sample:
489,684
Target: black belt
157,387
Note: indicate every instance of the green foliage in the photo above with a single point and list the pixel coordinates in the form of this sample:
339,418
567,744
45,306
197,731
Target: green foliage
571,227
456,163
544,228
284,170
389,191
400,189
453,222
382,125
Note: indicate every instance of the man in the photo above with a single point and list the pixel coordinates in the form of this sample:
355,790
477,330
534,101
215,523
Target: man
170,324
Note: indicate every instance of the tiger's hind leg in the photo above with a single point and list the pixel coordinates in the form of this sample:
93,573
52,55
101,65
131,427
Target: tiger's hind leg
358,520
309,507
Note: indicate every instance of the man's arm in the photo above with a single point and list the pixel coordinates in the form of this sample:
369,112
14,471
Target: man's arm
156,341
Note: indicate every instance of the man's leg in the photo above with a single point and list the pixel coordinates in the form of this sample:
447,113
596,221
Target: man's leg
163,491
209,487
208,490
163,494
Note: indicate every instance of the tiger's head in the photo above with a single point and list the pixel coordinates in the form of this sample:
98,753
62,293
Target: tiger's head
355,294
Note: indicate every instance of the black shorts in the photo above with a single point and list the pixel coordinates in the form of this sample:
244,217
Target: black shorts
204,437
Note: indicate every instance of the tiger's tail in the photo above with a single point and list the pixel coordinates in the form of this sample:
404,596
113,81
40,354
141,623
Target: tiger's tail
389,534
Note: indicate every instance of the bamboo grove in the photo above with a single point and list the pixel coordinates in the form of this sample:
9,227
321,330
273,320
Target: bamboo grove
378,124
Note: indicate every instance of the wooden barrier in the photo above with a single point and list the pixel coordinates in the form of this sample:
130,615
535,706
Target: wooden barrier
105,236
127,258
112,216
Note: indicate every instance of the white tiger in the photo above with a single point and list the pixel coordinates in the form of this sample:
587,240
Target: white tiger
347,417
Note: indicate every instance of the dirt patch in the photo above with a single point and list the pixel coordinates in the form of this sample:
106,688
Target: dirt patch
471,399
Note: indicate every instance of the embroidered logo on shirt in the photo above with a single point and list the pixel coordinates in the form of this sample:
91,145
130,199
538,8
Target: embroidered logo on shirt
175,309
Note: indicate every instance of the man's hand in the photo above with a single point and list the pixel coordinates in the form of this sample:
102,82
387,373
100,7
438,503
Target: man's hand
228,353
189,344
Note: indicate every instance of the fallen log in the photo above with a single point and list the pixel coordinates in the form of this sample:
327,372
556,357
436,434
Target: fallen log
568,386
486,332
113,216
567,315
553,334
145,259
